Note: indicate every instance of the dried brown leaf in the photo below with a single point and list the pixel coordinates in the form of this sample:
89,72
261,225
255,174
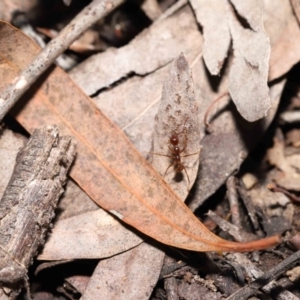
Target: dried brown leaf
177,116
212,15
150,50
108,167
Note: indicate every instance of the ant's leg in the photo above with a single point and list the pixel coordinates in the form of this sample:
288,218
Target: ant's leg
168,168
187,175
191,154
161,154
185,144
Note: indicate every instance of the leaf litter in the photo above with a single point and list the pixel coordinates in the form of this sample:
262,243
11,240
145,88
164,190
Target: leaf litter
275,91
122,188
139,128
38,108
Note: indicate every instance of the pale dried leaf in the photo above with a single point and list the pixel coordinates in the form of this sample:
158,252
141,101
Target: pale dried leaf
130,275
150,50
249,71
212,15
91,235
252,11
177,114
74,201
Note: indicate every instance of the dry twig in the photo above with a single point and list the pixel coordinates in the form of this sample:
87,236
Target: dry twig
233,201
251,289
28,204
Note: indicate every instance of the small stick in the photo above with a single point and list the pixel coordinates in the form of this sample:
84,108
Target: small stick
249,206
238,233
96,10
278,270
276,189
233,201
27,206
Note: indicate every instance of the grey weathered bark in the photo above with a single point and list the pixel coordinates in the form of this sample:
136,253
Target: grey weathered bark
28,204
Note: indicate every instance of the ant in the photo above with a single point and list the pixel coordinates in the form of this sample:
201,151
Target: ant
175,152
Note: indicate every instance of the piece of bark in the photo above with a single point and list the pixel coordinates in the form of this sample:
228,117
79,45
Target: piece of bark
27,206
